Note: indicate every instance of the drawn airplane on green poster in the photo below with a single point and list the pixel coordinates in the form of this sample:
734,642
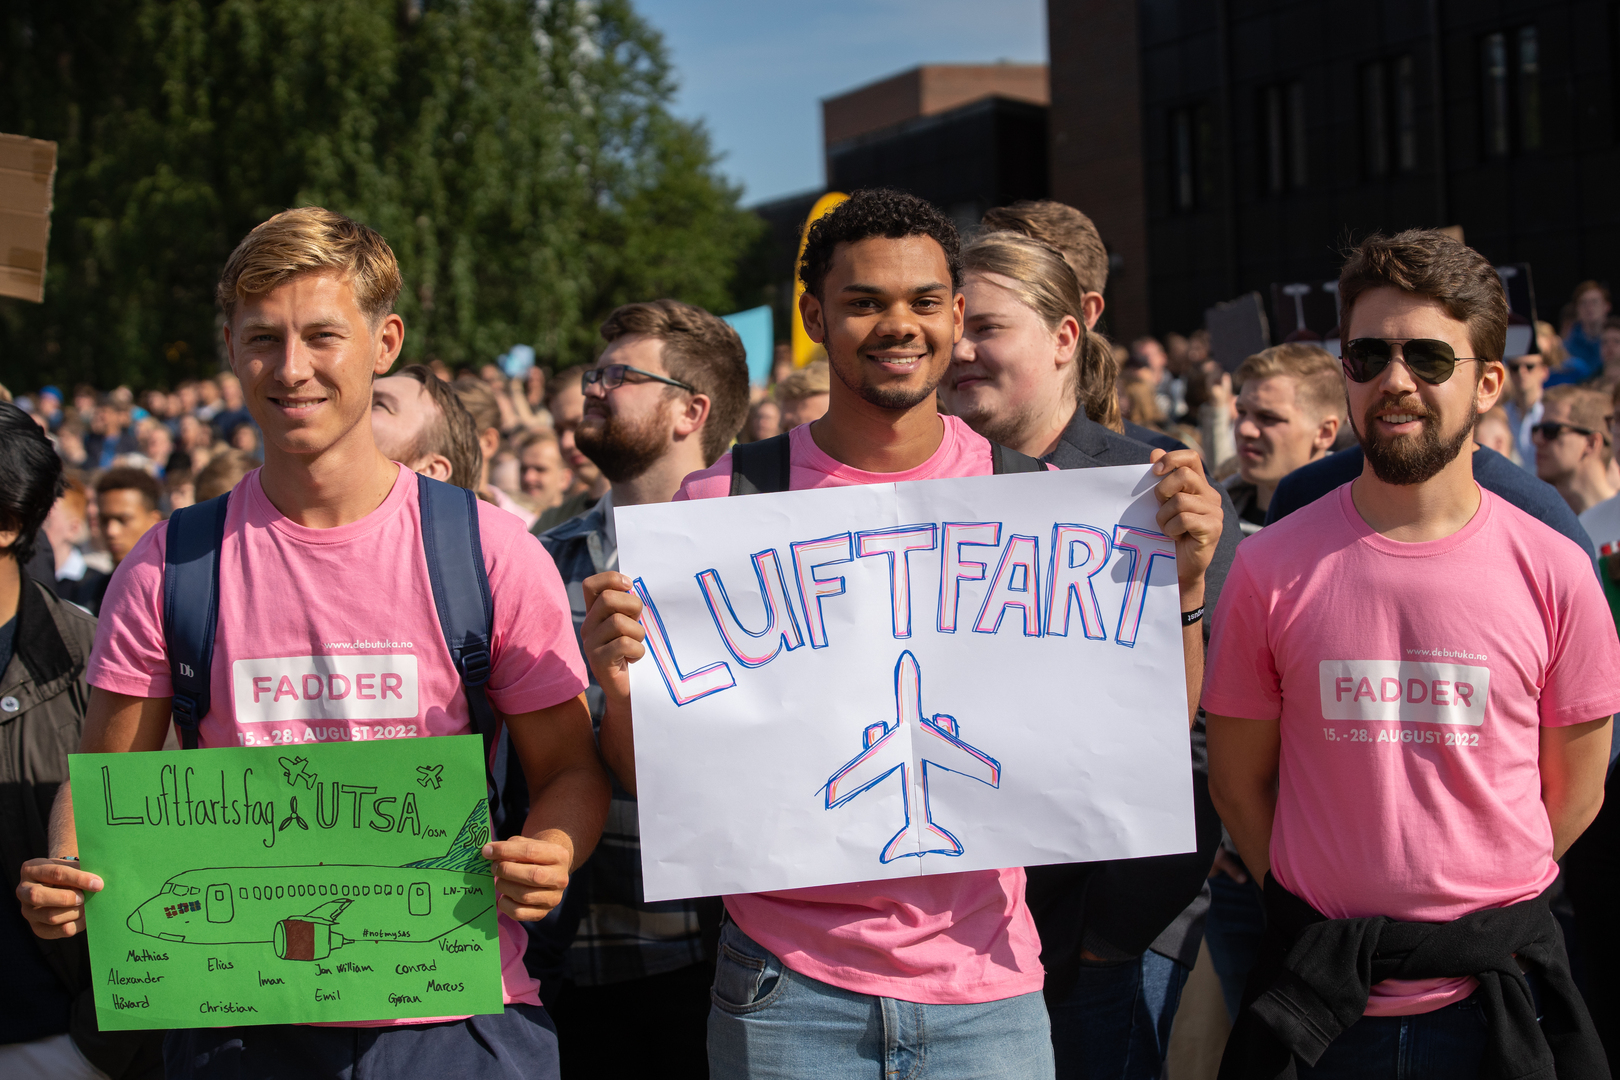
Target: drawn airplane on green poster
308,911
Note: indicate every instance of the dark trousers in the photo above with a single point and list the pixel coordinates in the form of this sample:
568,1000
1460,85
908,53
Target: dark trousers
1115,1023
519,1044
1592,882
1447,1044
668,1015
1234,929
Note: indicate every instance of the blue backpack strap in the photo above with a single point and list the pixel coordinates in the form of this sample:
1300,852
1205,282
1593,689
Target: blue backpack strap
191,609
455,561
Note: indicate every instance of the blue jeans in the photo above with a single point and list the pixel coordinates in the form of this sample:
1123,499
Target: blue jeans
1116,1021
770,1023
1447,1044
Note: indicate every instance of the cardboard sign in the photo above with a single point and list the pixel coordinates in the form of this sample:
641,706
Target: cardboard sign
1237,330
316,882
27,171
895,680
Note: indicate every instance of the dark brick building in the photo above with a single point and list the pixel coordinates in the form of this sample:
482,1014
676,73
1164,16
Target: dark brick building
1222,145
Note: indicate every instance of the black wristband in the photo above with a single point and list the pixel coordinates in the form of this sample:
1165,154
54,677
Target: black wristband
1193,617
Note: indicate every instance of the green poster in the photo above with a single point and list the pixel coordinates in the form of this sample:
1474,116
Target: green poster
268,885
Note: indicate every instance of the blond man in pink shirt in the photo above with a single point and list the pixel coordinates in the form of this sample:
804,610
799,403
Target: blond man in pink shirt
1409,689
322,556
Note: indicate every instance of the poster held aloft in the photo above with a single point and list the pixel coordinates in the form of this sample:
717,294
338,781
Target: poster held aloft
311,882
893,680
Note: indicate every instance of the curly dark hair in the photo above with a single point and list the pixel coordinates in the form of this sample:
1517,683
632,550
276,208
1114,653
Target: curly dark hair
875,212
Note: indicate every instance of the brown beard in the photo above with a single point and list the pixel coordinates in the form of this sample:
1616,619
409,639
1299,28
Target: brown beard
622,450
1412,461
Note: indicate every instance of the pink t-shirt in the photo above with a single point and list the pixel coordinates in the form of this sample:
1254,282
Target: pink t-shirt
359,590
943,939
1411,682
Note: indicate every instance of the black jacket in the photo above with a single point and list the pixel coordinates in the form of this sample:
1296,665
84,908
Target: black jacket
46,680
1117,909
1313,975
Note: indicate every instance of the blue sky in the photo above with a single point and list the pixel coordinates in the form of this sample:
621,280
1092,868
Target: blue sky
755,71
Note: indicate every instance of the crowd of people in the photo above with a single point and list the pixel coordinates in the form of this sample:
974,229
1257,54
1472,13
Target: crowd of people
1401,667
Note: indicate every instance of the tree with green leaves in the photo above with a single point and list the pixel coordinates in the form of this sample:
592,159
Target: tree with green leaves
519,155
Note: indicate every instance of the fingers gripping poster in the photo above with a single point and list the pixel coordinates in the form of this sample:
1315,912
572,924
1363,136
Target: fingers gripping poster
892,680
311,882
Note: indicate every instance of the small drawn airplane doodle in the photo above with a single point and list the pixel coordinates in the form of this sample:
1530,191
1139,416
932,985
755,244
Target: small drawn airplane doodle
296,769
431,775
940,747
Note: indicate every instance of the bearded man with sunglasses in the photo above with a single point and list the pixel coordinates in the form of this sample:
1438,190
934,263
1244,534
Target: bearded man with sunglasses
1410,687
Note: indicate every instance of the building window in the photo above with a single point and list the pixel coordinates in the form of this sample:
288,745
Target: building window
1529,89
1510,91
1494,93
1284,153
1192,152
1375,119
1406,145
1183,181
1388,90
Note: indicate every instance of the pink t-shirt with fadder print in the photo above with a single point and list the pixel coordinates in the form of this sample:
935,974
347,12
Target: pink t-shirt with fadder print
941,939
358,591
1412,682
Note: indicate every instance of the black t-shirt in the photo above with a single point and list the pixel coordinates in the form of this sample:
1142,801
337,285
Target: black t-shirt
33,1001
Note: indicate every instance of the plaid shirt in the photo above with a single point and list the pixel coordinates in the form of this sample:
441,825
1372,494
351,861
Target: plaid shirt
604,932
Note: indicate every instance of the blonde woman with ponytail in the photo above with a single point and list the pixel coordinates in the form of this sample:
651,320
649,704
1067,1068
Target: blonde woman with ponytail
1027,374
1026,363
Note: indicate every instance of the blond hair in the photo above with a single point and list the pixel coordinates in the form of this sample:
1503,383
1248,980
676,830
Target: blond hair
1318,384
808,381
1044,282
1589,409
308,240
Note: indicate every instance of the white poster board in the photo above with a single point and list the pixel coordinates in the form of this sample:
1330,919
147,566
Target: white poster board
890,680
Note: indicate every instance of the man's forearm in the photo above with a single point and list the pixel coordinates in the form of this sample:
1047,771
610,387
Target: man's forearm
1192,648
62,838
571,808
616,740
1248,819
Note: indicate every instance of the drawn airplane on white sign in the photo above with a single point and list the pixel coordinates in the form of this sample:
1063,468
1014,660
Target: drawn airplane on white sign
939,747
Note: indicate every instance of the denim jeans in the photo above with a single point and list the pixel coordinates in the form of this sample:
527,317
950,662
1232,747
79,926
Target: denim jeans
1116,1021
1233,930
770,1023
1447,1044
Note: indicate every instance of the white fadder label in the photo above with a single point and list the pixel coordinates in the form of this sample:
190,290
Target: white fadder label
1405,691
272,690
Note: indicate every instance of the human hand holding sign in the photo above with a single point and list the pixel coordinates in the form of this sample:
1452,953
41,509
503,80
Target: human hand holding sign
52,892
530,873
614,639
1190,515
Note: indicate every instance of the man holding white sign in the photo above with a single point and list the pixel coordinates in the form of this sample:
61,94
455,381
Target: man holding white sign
1399,753
848,979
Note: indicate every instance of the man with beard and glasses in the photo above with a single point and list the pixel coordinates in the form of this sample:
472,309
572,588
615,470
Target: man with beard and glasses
665,399
942,973
1410,687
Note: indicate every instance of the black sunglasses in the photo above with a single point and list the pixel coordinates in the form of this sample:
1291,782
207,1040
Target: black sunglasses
611,377
1551,429
1430,360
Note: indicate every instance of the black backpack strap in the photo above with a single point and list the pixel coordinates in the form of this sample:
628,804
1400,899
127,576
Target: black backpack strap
761,467
1011,461
455,561
191,609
